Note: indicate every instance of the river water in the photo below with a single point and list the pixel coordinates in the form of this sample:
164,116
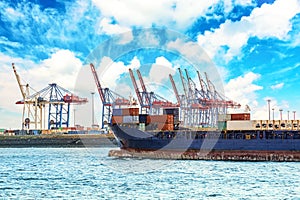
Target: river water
83,173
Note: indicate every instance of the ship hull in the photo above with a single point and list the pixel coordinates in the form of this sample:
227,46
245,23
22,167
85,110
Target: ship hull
133,138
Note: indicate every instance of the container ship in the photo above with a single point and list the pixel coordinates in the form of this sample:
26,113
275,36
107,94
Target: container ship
197,123
236,137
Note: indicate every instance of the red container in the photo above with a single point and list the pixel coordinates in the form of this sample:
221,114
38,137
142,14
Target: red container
240,116
167,119
130,111
117,119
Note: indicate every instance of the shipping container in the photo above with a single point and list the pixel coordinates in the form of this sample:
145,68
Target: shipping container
240,116
130,119
165,126
117,112
224,117
240,125
117,119
169,119
171,111
130,111
144,118
222,125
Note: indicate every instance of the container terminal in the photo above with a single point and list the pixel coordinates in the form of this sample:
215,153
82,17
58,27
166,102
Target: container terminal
153,127
46,120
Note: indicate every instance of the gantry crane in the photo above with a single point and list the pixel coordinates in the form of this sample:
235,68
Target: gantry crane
143,97
149,101
109,99
32,111
200,107
59,100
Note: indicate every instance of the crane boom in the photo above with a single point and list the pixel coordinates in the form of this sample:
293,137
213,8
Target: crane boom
19,82
183,83
141,80
211,87
100,91
135,87
143,86
200,81
174,88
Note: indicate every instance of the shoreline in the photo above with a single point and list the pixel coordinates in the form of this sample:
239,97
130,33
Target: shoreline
58,140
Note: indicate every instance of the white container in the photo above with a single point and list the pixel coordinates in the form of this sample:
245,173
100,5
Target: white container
130,119
224,117
240,125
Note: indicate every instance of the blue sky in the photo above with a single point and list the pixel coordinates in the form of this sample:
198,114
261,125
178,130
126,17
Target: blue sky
254,46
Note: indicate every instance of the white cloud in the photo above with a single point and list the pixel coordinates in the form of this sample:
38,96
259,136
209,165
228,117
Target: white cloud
243,90
110,72
176,13
106,26
5,41
270,20
277,86
160,70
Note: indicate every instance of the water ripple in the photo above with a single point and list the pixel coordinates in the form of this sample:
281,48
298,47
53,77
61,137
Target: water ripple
78,173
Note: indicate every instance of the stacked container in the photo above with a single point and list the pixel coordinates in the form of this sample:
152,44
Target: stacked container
174,112
125,116
162,122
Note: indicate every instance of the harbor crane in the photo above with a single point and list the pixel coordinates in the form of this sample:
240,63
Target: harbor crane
57,98
109,99
200,107
31,110
143,97
149,101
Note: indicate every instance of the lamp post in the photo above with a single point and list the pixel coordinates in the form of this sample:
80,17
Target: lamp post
273,113
280,110
294,115
269,100
93,108
288,115
74,115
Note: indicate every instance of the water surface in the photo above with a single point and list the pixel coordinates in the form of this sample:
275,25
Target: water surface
82,173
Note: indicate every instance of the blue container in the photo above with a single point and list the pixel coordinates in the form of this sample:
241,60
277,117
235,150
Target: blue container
143,118
171,111
117,112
